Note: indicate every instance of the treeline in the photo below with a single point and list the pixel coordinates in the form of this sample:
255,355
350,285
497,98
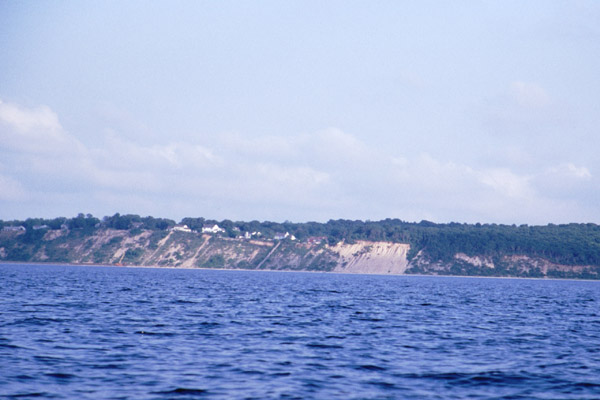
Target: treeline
89,223
570,244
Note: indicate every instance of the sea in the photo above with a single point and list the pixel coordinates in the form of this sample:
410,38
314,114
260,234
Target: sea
89,332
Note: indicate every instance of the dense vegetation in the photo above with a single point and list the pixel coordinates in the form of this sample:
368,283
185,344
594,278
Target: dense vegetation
570,244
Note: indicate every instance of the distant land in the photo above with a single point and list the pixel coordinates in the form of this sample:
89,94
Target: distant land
389,246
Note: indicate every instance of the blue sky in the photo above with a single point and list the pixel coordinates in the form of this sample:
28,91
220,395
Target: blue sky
446,111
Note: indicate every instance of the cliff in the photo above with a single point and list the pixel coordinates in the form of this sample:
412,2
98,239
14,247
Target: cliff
195,250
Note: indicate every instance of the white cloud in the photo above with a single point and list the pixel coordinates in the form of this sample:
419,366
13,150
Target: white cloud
566,181
320,175
11,189
271,147
33,130
25,120
506,183
299,177
331,147
525,114
529,95
334,141
570,170
119,153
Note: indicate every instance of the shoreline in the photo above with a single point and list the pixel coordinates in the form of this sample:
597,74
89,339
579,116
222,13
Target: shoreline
41,263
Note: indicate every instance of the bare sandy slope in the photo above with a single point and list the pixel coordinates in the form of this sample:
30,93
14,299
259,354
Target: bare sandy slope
371,257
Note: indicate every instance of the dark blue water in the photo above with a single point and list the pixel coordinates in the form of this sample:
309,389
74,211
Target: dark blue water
122,333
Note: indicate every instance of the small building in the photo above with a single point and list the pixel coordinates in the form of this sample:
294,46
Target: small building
38,227
11,228
246,236
212,229
280,236
181,228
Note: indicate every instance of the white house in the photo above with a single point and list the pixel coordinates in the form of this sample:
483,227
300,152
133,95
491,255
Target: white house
181,228
212,229
246,236
280,236
13,228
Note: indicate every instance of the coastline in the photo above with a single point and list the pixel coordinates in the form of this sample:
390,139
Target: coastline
287,271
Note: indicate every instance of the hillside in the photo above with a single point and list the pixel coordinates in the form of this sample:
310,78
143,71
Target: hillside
384,247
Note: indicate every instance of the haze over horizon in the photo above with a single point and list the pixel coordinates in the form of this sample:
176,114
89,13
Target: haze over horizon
304,111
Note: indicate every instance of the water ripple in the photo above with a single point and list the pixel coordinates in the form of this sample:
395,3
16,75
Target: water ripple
154,334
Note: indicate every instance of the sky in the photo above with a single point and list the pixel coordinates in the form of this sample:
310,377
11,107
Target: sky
468,111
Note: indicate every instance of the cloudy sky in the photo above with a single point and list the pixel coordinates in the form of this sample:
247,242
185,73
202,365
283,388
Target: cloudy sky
478,111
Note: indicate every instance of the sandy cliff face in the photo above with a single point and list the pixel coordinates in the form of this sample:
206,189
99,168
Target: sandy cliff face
186,250
193,250
371,257
477,261
500,265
